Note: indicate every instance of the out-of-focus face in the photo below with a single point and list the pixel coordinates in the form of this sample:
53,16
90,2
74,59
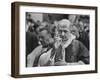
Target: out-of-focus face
75,31
30,24
45,38
63,32
81,26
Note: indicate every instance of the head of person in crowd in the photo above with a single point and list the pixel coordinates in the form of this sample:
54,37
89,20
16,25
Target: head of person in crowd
28,16
38,22
30,25
45,37
81,25
86,27
29,19
64,29
74,30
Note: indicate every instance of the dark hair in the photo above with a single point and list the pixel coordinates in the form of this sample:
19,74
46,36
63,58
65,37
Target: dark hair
31,20
42,29
48,27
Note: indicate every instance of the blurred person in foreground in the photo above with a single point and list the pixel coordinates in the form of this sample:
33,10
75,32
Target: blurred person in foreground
46,44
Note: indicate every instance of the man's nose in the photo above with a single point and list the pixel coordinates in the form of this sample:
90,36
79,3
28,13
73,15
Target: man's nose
62,33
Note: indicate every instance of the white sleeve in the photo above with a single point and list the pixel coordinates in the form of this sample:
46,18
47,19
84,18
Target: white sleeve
32,55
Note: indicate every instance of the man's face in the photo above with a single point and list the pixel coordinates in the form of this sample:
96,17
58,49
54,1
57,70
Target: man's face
64,33
45,38
75,31
30,24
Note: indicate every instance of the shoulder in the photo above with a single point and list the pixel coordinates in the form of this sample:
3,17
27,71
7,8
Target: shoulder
77,43
36,51
44,58
74,42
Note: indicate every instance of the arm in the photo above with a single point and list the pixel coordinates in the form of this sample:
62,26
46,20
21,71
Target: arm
46,59
31,57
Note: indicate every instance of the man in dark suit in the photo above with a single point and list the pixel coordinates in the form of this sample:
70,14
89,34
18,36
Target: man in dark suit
74,50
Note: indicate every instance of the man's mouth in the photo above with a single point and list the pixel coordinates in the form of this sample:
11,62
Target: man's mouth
64,38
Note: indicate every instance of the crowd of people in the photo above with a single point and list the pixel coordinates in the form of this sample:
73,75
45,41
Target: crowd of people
56,44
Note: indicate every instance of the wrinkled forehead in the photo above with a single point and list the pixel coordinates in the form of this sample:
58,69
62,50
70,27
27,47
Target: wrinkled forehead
63,27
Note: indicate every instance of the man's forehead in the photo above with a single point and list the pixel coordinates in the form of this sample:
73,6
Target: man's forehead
63,28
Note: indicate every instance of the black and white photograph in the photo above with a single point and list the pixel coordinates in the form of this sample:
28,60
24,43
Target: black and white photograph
51,39
57,39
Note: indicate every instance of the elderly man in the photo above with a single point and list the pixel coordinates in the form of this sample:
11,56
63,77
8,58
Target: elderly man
74,50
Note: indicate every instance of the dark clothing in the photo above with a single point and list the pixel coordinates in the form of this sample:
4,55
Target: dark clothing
76,51
31,42
84,38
